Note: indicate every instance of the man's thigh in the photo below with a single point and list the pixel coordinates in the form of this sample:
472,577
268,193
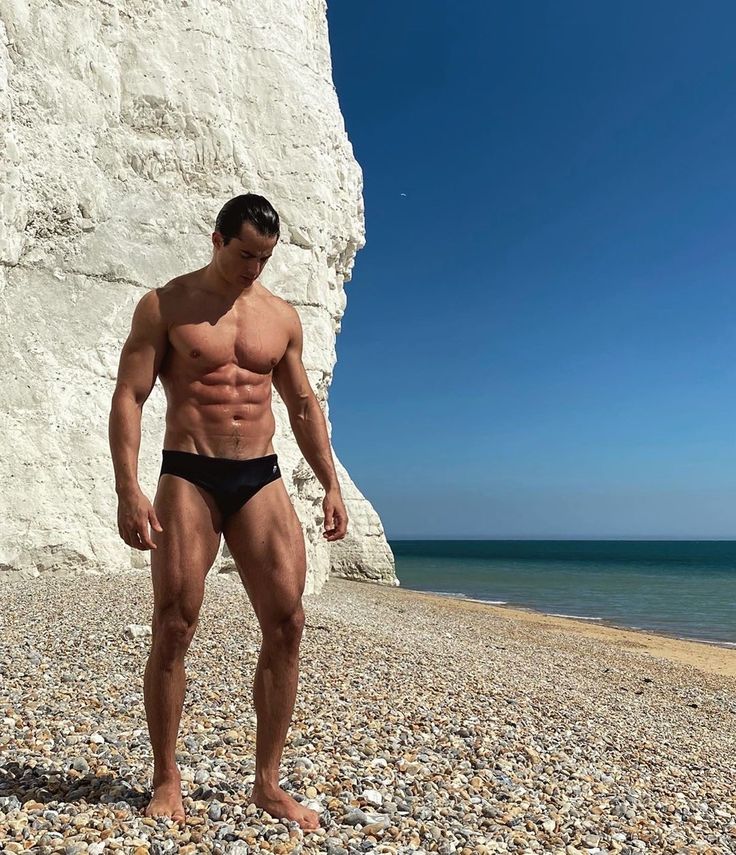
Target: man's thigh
266,541
186,548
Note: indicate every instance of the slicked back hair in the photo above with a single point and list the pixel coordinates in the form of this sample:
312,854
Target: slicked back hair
247,208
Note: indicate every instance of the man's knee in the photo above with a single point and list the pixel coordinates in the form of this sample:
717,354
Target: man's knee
173,632
285,628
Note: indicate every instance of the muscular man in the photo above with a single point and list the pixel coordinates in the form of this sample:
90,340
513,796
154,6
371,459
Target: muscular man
218,338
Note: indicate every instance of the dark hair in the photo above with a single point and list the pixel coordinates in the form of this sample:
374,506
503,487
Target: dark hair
247,208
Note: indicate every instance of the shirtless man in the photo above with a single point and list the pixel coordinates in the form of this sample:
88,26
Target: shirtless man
218,338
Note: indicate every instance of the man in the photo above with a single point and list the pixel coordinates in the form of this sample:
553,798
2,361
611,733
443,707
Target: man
218,339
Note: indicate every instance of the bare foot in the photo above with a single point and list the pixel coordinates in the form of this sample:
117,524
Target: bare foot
283,806
167,801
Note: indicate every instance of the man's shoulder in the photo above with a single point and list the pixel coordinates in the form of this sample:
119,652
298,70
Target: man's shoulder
283,307
173,287
177,286
157,305
172,293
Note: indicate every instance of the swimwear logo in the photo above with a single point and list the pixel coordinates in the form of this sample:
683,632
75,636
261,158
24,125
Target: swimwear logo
275,468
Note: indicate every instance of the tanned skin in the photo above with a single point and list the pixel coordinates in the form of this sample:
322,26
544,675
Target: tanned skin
218,339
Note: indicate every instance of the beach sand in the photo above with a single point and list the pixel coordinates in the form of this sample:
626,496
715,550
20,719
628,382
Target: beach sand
422,724
707,656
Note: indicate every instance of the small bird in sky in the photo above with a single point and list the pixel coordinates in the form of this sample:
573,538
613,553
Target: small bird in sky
403,194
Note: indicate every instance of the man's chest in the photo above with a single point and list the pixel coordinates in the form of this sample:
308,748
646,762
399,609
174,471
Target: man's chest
255,342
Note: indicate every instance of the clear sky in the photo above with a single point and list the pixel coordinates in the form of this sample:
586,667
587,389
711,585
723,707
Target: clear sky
539,335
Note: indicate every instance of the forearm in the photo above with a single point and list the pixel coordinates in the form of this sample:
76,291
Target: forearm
124,432
310,432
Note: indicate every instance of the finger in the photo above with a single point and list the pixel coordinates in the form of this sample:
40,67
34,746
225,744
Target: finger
332,533
146,539
154,520
144,536
341,523
339,531
131,533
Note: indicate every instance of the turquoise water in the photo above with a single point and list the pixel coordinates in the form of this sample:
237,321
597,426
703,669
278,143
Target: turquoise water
681,588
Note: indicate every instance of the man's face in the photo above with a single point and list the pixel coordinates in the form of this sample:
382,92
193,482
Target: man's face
244,257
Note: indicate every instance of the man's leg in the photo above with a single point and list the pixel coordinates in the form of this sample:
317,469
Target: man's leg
267,544
187,547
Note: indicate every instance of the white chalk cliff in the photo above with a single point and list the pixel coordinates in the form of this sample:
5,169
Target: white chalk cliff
124,126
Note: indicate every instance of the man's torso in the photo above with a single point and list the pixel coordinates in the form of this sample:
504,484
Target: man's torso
218,367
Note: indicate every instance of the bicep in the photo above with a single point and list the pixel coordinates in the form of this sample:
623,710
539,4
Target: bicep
289,375
144,349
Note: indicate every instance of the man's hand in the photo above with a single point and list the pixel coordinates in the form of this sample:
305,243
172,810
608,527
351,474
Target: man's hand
135,513
336,517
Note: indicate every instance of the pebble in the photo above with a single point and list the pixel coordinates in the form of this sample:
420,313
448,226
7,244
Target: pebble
373,797
134,631
420,726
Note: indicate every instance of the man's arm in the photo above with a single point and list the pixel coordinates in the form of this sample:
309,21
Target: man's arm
309,426
140,360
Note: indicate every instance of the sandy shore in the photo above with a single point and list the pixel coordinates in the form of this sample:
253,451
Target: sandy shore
713,658
422,724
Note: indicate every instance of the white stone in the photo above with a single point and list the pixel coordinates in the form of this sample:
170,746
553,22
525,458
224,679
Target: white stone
136,630
373,797
123,129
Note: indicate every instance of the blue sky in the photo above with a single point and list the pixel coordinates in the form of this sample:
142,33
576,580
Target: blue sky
539,336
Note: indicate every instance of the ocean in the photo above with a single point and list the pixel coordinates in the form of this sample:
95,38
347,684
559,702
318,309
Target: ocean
685,589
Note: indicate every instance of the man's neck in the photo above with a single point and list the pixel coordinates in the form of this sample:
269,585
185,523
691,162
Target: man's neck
213,282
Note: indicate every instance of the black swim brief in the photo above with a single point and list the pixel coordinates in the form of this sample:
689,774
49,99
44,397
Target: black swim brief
231,482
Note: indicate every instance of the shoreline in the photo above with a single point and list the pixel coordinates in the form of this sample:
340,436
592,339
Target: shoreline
709,656
595,621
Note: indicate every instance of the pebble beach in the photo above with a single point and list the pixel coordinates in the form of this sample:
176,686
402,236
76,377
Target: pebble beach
422,724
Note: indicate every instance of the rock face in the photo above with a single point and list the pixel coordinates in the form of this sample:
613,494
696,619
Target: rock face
124,126
364,554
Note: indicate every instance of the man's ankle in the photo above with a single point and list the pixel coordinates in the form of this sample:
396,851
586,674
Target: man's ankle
170,775
267,786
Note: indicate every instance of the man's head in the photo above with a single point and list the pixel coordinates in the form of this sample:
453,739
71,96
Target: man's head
246,232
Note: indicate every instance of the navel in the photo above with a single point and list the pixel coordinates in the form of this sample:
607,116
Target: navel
194,354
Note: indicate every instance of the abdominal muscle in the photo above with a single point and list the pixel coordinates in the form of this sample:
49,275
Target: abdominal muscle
223,412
